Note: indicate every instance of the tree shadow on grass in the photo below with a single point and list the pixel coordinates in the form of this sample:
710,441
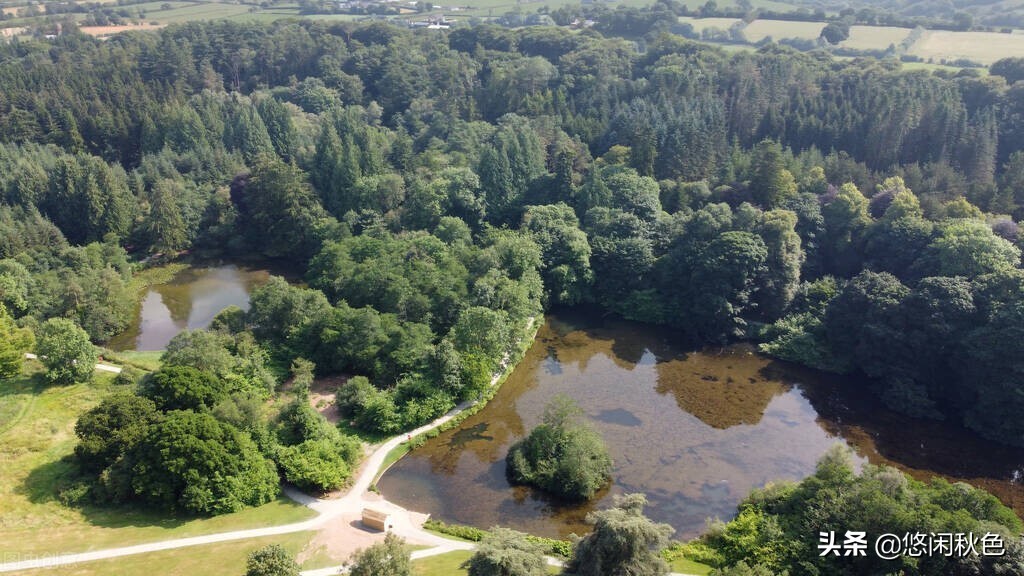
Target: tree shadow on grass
23,384
48,483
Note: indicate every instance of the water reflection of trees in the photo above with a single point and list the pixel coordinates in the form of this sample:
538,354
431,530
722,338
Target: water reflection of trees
557,345
922,448
723,389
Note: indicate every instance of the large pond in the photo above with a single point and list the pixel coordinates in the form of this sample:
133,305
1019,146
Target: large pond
695,431
188,302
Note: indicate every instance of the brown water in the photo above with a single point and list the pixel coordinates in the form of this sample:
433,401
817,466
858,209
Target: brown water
189,301
695,431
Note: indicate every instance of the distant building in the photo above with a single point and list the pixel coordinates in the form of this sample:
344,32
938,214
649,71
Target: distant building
434,23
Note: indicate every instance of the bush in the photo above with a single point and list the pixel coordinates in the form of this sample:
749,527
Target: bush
315,465
770,531
299,422
465,532
271,560
128,376
352,396
75,494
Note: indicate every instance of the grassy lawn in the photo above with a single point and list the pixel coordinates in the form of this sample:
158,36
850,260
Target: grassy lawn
148,360
36,433
393,456
685,566
441,565
209,560
448,565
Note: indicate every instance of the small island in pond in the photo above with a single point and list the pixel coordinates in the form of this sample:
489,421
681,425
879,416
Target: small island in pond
563,456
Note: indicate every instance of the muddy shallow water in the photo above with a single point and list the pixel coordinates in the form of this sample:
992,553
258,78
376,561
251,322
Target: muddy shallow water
694,430
188,302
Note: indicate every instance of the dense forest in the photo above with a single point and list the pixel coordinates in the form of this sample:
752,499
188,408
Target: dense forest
440,189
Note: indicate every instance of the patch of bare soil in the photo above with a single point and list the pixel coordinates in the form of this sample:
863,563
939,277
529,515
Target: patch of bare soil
109,30
321,396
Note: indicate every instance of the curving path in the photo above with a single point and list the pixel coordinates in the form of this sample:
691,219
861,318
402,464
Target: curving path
99,365
407,524
352,503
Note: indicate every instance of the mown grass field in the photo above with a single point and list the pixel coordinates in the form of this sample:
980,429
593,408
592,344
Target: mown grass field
220,559
761,29
983,47
198,11
935,45
36,434
875,37
701,24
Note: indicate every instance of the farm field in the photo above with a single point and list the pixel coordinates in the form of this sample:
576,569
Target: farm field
701,24
983,47
875,37
936,45
201,11
36,433
761,29
109,30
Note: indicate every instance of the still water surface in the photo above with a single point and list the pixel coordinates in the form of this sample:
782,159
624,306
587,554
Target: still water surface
188,302
695,431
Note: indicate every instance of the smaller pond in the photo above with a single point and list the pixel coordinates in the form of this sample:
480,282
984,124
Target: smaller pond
188,302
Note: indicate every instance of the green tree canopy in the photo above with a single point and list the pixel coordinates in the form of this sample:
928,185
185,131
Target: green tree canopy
109,431
505,552
183,388
624,541
388,558
14,342
66,351
192,462
280,212
771,529
968,248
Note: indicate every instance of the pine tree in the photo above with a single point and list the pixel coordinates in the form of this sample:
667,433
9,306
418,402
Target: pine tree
164,226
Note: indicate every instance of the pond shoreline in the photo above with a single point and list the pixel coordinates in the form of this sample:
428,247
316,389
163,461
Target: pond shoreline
183,294
470,407
732,435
